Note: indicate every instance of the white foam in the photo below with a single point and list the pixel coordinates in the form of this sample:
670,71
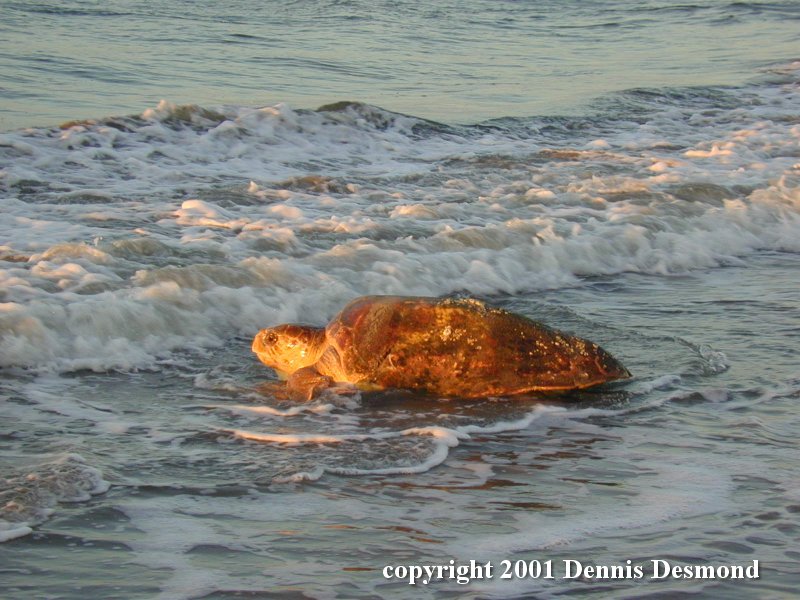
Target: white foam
114,271
270,411
29,495
10,531
444,439
254,524
673,491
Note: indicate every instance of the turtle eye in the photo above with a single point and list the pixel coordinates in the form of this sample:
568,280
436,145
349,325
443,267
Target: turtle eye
271,337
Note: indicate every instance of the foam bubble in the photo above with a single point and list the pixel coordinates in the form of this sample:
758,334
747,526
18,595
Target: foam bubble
29,496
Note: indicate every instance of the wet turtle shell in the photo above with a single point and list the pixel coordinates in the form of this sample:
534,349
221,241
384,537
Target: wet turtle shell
457,347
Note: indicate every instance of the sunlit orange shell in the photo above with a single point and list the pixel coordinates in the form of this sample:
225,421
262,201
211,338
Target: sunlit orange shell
460,348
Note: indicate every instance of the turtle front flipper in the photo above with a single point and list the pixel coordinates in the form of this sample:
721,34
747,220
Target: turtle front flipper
306,383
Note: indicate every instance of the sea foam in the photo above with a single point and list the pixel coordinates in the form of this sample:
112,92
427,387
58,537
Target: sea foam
30,495
129,239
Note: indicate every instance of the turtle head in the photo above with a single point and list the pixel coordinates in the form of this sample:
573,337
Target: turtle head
287,348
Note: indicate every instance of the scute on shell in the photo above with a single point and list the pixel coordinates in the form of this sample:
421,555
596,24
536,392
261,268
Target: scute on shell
460,347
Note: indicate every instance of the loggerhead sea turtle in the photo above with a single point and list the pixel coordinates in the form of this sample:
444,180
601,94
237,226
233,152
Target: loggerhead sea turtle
448,347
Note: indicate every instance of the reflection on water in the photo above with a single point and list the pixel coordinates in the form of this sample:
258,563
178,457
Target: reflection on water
686,462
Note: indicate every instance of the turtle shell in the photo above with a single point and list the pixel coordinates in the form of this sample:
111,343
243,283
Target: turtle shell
460,347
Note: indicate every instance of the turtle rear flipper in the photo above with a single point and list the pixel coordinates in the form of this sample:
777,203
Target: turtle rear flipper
307,383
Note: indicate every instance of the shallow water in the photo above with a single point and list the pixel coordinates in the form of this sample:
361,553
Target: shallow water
145,452
694,462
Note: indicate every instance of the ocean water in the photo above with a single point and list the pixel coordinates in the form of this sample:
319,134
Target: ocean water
175,176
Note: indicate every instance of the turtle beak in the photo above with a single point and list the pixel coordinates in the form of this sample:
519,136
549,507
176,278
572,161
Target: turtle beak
256,343
260,342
